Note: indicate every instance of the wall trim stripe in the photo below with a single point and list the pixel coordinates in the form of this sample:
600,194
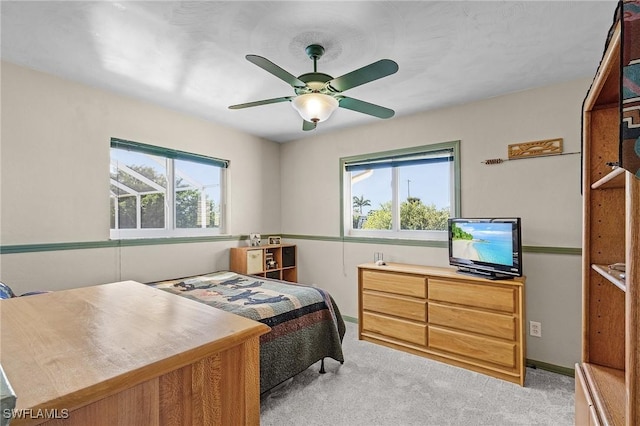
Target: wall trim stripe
85,245
565,371
350,319
423,243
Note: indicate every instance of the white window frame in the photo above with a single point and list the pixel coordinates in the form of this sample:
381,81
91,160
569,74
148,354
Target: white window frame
395,232
170,230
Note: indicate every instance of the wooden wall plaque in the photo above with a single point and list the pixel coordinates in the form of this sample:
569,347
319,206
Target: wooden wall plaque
535,149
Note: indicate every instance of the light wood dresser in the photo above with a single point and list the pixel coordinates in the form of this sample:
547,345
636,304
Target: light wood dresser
125,353
437,313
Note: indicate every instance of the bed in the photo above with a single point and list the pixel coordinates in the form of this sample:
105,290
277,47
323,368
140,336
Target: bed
306,325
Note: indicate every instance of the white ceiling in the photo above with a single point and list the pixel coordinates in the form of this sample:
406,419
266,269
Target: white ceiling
190,56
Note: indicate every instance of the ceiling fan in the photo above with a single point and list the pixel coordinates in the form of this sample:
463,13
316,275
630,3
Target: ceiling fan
318,94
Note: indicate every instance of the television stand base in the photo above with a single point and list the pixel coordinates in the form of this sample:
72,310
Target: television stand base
484,274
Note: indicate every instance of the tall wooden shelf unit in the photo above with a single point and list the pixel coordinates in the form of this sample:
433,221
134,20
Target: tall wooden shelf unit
608,378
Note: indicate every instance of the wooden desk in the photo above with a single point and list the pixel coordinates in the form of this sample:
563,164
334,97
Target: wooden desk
126,353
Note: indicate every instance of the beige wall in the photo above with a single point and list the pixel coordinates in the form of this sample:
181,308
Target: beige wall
545,192
53,182
54,157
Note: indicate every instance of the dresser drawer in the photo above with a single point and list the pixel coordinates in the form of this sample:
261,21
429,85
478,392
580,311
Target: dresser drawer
396,328
395,305
408,285
476,347
481,322
478,295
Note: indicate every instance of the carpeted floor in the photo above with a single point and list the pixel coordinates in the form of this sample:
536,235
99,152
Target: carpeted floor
381,386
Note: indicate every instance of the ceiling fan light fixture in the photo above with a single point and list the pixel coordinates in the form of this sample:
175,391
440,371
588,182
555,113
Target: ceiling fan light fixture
315,107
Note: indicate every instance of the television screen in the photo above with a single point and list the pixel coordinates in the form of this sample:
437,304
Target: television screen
489,247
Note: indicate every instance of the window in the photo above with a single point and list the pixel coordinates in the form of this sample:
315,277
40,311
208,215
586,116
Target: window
159,192
408,193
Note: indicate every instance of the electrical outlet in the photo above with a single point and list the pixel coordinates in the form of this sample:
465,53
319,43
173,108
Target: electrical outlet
535,329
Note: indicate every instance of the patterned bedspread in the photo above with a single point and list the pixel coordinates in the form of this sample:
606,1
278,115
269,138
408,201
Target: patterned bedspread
306,325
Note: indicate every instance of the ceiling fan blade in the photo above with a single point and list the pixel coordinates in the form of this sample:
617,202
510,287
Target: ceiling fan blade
371,72
366,107
263,102
269,66
308,125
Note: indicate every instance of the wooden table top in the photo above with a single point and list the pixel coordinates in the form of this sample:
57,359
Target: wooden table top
69,348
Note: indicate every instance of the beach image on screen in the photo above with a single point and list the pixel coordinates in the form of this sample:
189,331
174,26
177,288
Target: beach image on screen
483,241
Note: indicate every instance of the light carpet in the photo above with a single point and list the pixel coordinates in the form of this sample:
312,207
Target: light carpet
382,386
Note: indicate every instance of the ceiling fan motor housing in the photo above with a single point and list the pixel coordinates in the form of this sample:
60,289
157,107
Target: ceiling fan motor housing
315,83
314,51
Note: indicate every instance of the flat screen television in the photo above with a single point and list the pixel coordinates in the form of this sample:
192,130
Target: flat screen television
486,247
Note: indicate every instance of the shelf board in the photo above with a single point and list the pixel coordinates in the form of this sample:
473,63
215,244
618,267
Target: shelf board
604,271
608,390
613,179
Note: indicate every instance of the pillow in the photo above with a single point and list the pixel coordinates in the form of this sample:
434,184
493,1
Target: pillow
6,292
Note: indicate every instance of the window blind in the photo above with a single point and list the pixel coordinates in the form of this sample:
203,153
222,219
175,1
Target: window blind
167,152
440,156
